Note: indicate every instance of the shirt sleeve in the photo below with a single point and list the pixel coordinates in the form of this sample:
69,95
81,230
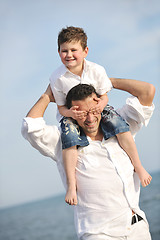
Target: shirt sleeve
136,114
57,86
104,83
44,138
58,93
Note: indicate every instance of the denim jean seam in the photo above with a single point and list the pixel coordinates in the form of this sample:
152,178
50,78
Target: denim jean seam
113,133
74,143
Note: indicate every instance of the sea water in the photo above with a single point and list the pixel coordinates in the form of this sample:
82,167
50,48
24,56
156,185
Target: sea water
52,219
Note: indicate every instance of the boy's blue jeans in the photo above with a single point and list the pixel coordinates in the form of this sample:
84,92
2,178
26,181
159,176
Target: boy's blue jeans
111,124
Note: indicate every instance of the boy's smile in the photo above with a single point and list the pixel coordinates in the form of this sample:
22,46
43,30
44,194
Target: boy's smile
72,56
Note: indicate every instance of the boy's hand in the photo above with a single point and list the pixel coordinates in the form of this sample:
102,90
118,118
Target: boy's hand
99,107
75,114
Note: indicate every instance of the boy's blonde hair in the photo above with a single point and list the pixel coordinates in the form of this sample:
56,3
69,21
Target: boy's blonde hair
72,34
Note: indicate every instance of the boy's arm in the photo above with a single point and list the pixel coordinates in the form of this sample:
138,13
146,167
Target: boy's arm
64,111
73,112
142,90
101,103
104,101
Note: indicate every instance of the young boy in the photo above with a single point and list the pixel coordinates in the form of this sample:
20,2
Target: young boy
72,48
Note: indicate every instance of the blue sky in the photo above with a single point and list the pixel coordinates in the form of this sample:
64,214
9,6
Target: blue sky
123,36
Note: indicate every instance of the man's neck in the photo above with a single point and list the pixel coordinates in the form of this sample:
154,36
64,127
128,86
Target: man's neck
96,136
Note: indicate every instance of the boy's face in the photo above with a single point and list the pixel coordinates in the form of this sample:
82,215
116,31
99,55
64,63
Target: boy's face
72,55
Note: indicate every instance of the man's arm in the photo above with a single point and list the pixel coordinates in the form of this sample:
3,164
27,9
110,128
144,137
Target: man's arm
40,106
44,138
142,90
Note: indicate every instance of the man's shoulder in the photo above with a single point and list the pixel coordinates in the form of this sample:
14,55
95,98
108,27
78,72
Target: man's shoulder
135,113
45,138
33,125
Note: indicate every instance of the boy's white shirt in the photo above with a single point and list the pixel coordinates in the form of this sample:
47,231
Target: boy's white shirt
94,207
62,80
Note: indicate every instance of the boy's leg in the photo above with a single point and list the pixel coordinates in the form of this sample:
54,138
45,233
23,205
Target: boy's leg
71,138
70,161
127,143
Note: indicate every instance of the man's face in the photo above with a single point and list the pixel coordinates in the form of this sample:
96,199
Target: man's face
90,122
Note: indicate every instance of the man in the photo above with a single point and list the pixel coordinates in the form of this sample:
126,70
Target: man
107,186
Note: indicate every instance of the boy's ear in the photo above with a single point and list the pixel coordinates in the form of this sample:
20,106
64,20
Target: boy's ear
59,52
86,51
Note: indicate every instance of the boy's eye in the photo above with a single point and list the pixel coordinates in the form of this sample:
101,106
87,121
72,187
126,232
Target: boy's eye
73,50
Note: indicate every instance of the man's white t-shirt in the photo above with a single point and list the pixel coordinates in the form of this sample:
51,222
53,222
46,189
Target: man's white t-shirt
107,186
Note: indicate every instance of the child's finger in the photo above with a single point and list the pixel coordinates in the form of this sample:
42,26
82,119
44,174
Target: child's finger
97,99
74,108
81,114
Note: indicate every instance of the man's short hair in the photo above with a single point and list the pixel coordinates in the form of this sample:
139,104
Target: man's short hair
79,92
72,34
